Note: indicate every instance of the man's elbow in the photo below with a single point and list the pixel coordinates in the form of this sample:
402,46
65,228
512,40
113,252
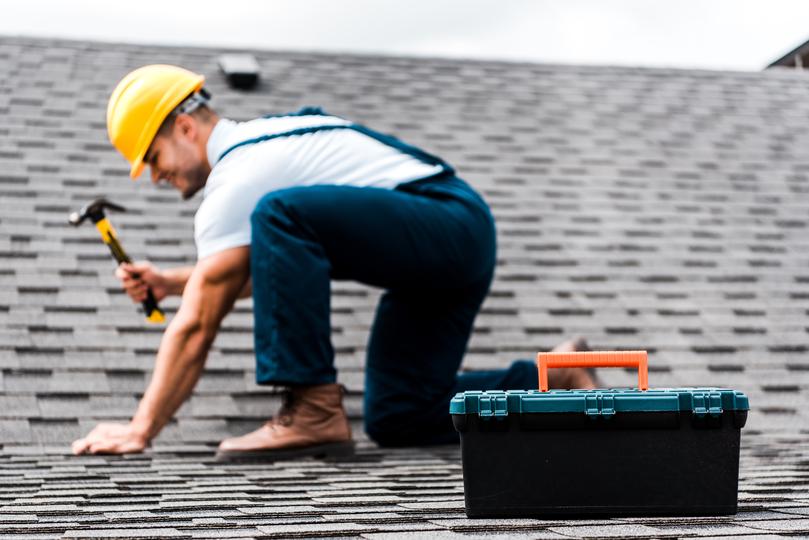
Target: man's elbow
194,334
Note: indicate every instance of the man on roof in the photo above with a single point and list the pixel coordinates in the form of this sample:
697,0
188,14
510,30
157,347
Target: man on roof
291,202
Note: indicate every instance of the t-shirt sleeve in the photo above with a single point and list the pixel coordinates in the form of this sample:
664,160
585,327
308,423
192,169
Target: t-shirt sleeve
235,188
223,221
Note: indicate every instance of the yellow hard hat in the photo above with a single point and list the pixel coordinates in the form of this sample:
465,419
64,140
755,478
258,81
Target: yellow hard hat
139,105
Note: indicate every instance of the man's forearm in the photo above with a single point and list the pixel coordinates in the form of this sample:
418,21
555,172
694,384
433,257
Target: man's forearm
179,364
176,278
209,292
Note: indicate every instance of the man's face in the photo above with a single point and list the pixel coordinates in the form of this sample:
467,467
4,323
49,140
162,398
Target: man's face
174,158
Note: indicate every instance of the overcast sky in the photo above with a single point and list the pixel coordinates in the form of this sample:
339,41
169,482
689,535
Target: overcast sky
714,34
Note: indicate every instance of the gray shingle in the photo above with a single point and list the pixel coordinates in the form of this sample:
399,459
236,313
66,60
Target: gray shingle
15,431
54,431
791,526
139,533
651,208
18,406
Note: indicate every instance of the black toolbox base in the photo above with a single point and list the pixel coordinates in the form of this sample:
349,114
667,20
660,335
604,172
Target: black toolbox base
584,512
674,465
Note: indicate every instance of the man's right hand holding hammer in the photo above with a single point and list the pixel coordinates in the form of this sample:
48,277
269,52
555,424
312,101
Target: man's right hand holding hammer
138,277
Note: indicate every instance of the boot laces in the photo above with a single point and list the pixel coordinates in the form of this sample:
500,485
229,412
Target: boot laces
284,415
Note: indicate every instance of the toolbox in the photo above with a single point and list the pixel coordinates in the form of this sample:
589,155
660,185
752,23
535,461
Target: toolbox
540,453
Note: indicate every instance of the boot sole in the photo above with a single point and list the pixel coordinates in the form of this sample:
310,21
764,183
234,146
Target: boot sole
326,450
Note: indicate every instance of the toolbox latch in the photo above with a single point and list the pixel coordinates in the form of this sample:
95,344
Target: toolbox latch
607,405
599,405
493,405
708,403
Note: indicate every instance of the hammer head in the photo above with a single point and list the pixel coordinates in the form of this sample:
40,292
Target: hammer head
94,210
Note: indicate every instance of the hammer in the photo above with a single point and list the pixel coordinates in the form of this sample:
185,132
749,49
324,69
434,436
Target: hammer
95,211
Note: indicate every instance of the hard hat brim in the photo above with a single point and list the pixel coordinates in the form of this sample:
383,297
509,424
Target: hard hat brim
137,169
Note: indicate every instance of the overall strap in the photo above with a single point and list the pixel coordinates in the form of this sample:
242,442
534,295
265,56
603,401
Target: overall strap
387,140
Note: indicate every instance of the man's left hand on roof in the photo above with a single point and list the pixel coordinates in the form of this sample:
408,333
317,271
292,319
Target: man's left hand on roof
111,438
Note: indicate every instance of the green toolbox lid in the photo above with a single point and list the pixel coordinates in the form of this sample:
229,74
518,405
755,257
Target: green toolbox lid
599,402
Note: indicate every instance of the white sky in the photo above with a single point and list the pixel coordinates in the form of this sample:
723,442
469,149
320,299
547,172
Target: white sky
714,34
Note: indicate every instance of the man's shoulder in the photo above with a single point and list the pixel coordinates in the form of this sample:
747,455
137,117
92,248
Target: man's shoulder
246,136
276,124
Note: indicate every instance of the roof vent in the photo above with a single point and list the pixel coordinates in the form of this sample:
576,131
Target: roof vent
241,70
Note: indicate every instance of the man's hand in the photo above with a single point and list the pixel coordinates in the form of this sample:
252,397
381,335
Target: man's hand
138,277
209,290
109,438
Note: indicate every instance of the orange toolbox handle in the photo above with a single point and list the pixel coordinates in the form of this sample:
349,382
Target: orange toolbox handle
585,359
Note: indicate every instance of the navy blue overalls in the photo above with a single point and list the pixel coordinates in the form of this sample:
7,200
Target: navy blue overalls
429,243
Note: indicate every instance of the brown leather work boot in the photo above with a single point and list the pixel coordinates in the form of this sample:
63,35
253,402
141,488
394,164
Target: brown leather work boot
311,422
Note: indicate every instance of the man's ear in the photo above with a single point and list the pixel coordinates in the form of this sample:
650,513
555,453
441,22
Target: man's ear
187,126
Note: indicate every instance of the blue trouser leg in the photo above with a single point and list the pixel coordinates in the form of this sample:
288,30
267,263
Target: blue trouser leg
430,244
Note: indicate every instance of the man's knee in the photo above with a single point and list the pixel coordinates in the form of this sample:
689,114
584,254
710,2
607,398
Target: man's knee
386,432
402,422
392,433
375,429
383,417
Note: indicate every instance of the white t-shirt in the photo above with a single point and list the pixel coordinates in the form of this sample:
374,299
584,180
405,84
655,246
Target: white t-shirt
273,158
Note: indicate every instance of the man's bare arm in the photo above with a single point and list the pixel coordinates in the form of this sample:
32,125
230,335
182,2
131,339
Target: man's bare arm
177,278
209,294
137,277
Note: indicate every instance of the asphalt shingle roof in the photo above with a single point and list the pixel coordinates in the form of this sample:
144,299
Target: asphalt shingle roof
642,208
